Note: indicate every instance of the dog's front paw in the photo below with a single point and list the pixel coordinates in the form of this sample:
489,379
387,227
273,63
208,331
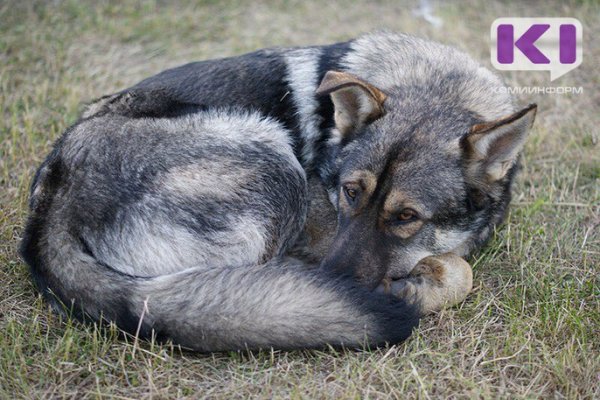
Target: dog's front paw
435,282
448,279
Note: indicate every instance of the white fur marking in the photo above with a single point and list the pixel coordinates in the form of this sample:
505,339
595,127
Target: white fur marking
303,69
451,240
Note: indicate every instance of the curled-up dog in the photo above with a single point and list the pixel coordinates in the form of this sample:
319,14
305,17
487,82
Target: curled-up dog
287,198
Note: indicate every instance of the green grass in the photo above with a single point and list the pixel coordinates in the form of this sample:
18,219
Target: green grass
530,328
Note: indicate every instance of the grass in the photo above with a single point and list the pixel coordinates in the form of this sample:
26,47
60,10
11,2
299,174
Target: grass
530,328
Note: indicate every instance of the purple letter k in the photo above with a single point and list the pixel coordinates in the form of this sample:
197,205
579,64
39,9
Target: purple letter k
525,43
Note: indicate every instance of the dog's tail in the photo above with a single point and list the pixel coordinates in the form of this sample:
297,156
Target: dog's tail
279,304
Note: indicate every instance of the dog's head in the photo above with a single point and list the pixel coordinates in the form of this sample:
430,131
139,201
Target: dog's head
413,175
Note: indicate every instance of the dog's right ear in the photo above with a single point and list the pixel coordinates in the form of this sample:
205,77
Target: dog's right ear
356,102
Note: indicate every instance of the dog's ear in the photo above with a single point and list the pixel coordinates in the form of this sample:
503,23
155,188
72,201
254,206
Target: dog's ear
492,148
356,102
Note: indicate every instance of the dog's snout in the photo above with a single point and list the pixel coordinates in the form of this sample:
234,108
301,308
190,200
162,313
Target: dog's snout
359,259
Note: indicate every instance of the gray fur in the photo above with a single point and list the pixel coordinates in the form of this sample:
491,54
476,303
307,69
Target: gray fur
419,62
303,78
162,249
199,204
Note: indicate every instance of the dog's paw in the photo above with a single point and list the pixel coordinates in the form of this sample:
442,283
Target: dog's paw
434,283
448,280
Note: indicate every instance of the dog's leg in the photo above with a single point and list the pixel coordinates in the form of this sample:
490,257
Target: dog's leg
436,282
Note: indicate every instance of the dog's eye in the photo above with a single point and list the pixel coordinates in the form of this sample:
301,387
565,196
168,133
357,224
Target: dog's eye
351,193
407,215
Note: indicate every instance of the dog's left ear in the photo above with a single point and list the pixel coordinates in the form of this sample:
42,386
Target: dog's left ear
492,148
356,102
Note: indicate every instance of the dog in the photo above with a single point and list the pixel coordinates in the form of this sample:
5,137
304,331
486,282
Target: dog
286,198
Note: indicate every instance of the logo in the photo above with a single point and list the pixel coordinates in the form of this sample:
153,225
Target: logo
537,44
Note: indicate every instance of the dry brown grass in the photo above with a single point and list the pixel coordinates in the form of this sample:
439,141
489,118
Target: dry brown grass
530,329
